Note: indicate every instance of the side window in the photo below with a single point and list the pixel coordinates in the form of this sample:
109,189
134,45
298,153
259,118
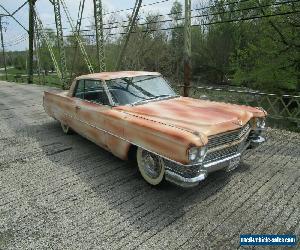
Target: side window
79,92
92,86
95,92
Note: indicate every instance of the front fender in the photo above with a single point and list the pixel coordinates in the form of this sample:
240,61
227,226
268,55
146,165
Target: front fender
163,139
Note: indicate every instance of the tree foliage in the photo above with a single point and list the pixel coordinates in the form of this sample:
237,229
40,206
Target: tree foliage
245,43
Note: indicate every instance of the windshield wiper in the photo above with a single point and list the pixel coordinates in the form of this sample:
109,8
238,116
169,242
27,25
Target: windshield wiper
158,97
141,101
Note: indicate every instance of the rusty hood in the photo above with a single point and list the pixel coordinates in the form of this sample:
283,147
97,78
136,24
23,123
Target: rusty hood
194,115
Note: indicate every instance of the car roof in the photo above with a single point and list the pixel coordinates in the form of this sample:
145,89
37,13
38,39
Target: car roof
117,74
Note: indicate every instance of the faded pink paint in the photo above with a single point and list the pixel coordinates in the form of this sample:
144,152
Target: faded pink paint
166,127
119,74
202,116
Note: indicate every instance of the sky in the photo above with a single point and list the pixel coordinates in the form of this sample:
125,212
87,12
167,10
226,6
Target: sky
16,38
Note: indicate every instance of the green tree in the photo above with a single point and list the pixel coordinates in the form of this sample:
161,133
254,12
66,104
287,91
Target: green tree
20,62
270,58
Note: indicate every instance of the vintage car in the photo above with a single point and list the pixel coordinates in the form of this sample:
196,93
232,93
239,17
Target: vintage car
137,115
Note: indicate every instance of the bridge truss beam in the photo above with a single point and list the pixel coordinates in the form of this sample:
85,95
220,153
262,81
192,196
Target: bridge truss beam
60,42
98,15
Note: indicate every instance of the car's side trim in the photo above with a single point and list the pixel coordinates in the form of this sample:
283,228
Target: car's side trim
110,133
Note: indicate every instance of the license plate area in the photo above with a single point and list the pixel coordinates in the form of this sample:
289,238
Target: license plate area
233,163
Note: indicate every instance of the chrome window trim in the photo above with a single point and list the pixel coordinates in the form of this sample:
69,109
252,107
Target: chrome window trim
101,105
108,94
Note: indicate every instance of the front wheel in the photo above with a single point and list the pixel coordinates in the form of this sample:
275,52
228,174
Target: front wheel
150,166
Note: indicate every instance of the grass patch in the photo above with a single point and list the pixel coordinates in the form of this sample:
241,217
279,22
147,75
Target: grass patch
20,76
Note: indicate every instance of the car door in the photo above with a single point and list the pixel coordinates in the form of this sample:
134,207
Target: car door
70,107
92,105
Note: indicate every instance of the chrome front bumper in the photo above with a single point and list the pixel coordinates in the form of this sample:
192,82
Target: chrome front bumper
204,169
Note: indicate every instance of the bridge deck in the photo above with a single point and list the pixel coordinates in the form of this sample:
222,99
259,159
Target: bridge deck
59,191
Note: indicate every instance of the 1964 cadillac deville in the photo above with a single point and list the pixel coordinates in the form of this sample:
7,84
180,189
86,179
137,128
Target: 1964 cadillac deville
137,114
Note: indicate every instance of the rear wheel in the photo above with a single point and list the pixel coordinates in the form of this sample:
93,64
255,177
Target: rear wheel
66,129
150,166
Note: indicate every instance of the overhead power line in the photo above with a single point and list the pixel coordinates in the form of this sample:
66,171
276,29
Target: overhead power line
199,16
143,5
6,45
122,10
16,39
160,15
203,24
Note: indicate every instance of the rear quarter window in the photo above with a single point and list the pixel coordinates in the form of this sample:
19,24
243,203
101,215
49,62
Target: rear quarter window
79,91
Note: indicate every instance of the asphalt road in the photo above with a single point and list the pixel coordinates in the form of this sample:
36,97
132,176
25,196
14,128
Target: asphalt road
64,192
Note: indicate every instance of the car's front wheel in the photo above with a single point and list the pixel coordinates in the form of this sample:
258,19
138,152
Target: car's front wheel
150,166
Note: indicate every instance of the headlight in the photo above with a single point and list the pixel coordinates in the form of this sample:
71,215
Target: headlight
260,123
197,154
193,153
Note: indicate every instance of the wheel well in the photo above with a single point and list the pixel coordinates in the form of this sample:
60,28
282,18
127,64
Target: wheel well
132,153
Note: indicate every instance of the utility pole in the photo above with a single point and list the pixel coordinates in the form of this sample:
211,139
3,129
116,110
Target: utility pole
187,47
3,51
99,34
31,38
134,15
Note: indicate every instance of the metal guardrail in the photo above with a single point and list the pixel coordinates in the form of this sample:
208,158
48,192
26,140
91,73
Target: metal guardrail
277,106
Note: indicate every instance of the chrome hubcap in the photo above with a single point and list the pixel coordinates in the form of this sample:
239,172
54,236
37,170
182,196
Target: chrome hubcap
151,165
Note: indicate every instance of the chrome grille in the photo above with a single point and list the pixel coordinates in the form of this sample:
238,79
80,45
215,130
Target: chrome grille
222,153
227,137
222,140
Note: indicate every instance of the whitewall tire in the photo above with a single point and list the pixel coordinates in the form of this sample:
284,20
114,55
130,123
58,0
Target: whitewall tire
150,166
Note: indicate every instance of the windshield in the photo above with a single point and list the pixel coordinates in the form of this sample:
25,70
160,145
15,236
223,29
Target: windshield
136,90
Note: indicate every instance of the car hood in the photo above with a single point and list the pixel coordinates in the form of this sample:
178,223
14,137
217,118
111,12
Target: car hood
194,115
